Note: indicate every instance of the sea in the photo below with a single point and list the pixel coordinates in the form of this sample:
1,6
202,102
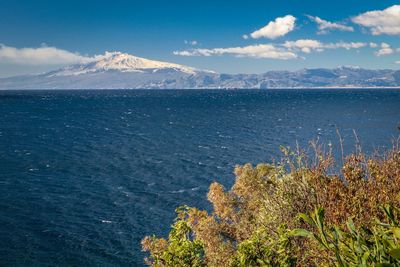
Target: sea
86,174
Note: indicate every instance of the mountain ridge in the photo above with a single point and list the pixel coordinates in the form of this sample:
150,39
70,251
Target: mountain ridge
116,70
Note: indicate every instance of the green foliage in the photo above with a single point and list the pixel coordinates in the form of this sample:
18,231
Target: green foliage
262,250
179,249
378,245
251,223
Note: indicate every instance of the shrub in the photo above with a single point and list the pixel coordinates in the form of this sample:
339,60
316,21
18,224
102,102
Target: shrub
179,250
250,224
263,250
378,245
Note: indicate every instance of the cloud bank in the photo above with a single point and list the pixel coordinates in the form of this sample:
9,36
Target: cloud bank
258,51
385,21
379,22
39,56
309,45
285,51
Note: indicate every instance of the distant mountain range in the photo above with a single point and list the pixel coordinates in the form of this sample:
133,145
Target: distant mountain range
123,71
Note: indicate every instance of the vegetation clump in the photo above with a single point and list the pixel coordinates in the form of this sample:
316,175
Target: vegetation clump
300,211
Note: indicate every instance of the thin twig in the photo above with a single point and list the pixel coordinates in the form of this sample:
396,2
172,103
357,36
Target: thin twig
341,141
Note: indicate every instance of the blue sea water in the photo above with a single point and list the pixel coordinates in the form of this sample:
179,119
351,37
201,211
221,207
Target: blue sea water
84,175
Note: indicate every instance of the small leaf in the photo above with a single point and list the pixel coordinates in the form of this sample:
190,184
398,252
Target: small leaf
301,232
395,253
351,226
306,218
396,232
366,256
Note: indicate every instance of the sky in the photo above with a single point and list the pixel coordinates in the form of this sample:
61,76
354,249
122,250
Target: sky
223,36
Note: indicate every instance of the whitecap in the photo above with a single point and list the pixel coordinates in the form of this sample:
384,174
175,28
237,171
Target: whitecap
178,191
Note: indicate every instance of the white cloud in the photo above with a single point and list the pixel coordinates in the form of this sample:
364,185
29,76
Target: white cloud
373,45
385,21
384,50
310,45
324,26
184,53
277,28
39,56
257,51
305,45
347,46
194,42
397,62
285,51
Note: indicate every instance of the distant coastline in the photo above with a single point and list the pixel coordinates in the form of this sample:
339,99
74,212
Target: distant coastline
194,89
123,71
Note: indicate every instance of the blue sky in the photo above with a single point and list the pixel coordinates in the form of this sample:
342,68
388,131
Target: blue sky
225,36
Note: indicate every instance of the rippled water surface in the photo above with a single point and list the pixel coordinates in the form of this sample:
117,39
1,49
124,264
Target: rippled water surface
84,175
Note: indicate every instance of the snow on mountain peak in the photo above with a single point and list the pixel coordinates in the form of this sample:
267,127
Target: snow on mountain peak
123,61
349,67
117,61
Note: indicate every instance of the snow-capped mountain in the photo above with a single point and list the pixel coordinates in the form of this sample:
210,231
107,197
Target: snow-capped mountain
114,70
117,61
123,71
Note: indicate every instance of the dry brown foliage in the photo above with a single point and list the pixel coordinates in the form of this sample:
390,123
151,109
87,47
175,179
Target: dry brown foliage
270,195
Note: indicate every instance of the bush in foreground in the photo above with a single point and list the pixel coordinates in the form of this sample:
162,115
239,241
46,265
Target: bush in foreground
298,212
